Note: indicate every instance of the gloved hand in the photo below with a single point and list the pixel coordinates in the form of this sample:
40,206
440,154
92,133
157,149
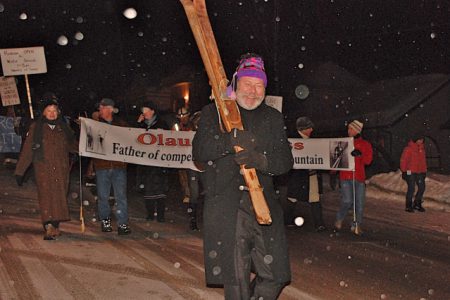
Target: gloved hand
19,180
356,153
243,138
251,159
404,175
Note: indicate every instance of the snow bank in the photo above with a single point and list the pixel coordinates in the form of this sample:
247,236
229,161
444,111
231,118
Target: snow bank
437,185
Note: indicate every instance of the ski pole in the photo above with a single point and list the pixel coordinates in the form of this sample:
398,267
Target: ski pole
81,200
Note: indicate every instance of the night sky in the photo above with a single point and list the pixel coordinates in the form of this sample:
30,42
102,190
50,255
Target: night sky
106,52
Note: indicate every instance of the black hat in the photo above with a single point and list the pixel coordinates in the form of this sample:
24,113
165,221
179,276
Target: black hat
304,123
183,112
107,102
417,136
150,104
48,98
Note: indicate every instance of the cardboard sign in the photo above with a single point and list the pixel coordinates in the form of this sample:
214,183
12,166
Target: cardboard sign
275,101
21,61
8,91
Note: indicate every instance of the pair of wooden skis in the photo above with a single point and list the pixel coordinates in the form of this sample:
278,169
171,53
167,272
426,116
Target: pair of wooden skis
229,113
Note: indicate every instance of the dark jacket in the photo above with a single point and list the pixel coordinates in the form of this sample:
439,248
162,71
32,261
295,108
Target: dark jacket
222,180
155,179
102,164
51,173
298,182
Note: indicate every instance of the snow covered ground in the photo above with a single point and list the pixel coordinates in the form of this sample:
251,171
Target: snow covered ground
437,192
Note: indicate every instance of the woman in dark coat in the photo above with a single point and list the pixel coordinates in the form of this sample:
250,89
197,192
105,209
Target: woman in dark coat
47,147
154,179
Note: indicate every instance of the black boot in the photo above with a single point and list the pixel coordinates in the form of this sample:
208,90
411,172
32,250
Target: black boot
50,233
418,206
316,211
193,217
160,209
408,206
106,225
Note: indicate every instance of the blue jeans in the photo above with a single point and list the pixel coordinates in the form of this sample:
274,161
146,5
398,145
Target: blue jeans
347,199
412,180
117,178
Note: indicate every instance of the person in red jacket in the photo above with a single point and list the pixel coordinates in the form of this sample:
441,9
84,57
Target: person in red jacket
353,186
413,165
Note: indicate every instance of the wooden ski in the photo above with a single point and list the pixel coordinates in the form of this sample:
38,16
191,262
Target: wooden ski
229,112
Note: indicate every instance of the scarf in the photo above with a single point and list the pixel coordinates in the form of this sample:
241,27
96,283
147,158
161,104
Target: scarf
37,146
150,122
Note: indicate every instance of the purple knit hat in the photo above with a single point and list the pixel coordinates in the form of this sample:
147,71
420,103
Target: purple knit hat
252,67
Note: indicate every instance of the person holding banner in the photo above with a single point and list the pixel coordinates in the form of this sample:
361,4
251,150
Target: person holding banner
353,186
184,124
111,173
304,185
235,245
154,179
47,146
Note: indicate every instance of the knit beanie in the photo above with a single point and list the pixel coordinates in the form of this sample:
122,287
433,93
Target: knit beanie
356,125
251,65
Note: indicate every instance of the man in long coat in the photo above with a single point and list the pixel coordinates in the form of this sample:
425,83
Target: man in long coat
47,147
234,243
304,184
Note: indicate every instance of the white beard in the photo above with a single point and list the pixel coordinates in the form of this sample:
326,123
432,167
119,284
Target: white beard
241,102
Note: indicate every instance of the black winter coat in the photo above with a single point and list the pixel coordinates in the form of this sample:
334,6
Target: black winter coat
298,182
155,179
222,180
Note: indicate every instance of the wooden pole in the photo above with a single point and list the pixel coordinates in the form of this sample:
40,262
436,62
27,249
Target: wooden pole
204,36
29,96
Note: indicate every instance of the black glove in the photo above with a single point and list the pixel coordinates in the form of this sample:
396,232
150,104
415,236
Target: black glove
251,159
356,152
19,180
243,138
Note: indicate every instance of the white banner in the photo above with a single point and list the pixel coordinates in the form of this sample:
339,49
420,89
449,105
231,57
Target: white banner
21,61
8,91
173,149
323,154
162,148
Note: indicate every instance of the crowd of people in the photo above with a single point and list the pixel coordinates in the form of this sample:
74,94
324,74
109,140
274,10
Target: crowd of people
235,244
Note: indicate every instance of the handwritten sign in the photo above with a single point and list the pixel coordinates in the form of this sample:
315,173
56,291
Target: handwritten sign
9,140
275,101
8,91
21,61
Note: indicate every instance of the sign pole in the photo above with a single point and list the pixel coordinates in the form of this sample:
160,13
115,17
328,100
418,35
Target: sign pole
24,61
29,96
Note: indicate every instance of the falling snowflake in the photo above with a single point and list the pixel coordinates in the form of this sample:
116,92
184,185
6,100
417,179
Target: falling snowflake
130,13
268,259
62,40
79,36
216,270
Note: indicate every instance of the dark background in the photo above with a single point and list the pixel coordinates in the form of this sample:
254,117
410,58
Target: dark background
372,39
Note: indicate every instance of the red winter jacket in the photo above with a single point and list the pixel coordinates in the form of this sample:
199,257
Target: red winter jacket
413,158
360,161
